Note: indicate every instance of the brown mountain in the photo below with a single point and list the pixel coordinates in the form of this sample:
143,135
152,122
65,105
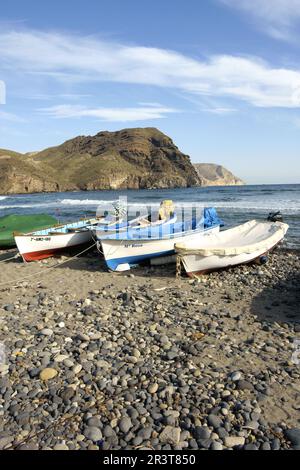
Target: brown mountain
130,158
216,175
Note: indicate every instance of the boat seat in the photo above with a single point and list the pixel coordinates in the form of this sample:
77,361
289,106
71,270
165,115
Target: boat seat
143,223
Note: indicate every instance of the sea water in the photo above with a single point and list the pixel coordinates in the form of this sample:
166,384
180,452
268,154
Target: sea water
235,204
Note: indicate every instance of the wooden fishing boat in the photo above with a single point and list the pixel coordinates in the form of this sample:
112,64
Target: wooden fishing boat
136,245
239,245
166,215
43,244
22,223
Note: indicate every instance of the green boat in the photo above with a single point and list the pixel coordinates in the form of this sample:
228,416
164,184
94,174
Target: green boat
22,224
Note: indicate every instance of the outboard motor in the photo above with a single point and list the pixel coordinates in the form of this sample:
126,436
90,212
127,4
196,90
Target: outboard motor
275,217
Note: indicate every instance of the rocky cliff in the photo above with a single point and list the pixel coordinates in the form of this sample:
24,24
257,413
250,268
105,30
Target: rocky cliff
130,158
141,158
216,175
19,174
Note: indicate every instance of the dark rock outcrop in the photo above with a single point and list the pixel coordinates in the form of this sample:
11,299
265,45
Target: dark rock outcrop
138,158
130,158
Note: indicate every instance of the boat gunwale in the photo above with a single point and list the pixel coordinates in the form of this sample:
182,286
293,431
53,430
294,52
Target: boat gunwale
172,236
32,234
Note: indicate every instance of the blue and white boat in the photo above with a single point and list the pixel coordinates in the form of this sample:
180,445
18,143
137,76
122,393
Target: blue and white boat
132,246
113,225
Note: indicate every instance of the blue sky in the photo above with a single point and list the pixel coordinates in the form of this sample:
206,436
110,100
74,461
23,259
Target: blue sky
221,77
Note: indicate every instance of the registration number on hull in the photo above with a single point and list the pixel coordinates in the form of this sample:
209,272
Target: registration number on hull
133,245
40,239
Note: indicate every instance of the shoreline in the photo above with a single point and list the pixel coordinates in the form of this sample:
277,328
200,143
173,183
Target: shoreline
145,360
149,189
127,189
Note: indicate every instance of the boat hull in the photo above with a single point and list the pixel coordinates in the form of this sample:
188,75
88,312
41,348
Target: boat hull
131,252
240,245
37,247
193,265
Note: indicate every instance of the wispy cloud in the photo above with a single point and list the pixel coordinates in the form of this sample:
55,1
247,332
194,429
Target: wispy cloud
220,110
142,113
64,57
5,116
277,18
49,96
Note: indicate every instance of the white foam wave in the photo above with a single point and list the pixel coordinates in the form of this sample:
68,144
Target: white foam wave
103,202
84,202
255,206
24,206
245,205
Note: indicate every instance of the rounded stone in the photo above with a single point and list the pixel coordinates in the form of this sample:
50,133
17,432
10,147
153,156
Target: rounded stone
214,421
48,374
46,332
93,434
236,376
234,441
153,388
216,446
125,424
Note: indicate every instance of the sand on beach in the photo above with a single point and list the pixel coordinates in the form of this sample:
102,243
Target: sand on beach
138,353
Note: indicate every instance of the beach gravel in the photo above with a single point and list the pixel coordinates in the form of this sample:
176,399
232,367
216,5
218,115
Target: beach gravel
95,360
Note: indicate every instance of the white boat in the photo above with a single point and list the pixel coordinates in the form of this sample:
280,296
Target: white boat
138,244
120,254
43,244
238,245
102,230
166,215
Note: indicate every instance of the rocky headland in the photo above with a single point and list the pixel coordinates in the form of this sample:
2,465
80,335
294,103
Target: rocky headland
137,158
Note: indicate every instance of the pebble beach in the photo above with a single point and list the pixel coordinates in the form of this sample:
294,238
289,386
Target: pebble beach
94,360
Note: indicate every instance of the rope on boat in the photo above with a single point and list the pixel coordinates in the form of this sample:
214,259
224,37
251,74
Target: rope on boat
16,281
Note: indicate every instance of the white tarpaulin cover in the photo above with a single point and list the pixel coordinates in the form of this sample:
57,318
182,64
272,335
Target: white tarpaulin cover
250,237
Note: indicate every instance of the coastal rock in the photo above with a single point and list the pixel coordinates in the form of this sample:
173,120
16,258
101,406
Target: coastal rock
93,434
101,399
46,332
245,385
153,388
202,432
129,158
214,421
235,376
293,435
125,424
170,435
5,441
211,174
234,441
48,374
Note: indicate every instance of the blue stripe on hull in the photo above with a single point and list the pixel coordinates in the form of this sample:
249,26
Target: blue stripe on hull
112,264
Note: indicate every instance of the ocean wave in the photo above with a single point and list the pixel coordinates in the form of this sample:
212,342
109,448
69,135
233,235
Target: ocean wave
84,202
222,205
24,206
2,198
255,206
103,202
